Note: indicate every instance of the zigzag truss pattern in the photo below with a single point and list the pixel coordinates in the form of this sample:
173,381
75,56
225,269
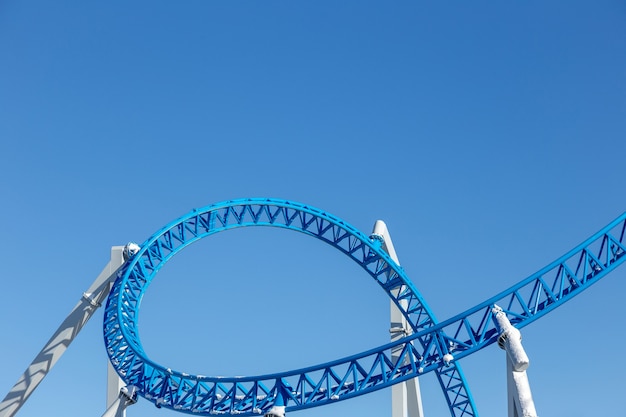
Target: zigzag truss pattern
433,346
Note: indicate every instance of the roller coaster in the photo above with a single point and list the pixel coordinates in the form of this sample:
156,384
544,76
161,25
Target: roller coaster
427,346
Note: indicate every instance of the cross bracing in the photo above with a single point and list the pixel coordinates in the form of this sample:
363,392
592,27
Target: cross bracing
432,347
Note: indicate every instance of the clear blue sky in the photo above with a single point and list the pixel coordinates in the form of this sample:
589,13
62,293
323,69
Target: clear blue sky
490,136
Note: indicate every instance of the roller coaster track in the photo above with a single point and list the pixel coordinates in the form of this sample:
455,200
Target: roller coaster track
433,346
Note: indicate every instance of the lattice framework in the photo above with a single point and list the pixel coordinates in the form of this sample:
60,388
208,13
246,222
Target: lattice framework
428,349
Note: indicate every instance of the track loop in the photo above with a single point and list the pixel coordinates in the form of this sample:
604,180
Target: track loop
432,346
305,388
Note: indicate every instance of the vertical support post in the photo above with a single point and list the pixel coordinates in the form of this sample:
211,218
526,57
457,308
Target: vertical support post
114,382
406,399
127,396
520,400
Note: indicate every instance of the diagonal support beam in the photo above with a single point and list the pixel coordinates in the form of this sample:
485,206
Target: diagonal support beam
63,337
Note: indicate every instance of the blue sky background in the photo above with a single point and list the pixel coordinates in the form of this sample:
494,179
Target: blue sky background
488,135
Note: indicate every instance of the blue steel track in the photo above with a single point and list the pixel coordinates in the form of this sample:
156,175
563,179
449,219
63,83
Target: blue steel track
433,347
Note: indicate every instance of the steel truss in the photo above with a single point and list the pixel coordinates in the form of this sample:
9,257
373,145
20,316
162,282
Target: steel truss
432,346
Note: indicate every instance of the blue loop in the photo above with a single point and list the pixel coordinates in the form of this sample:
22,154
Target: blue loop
317,385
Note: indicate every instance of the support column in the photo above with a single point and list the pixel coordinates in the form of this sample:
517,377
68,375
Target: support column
114,382
127,396
520,399
406,399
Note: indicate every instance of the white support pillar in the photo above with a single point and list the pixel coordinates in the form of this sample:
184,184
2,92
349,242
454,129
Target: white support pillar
115,385
126,396
406,399
520,399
